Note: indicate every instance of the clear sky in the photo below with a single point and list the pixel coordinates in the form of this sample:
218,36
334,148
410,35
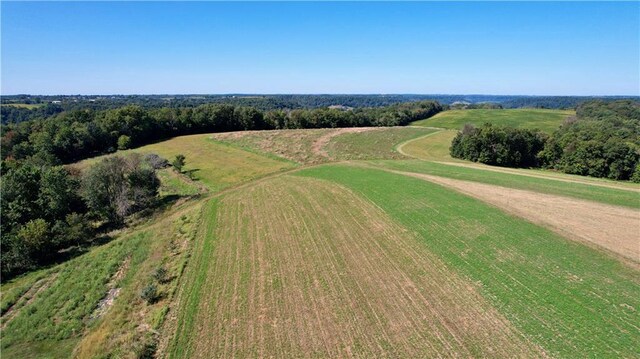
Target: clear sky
563,48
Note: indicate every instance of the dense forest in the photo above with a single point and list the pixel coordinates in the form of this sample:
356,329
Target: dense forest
14,111
78,134
48,209
603,140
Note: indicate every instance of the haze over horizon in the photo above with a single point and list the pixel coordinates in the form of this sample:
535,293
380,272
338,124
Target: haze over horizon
581,49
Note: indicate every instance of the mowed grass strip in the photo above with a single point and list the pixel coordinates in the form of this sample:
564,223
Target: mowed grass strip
616,196
544,120
434,147
217,165
572,300
297,267
377,143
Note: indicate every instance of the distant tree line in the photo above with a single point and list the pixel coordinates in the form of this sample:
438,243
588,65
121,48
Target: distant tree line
74,135
603,140
46,209
12,114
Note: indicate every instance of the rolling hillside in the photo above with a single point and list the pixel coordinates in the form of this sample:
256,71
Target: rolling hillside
363,242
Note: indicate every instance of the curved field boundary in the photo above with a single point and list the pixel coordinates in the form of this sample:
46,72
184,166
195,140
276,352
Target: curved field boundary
298,267
613,228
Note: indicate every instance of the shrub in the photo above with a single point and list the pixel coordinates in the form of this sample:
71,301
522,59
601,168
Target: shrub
124,142
160,275
150,293
155,161
178,163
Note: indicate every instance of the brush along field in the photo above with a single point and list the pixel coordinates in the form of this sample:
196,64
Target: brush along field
298,267
544,120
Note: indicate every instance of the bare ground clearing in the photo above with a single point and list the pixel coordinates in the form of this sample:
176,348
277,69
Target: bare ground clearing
616,229
305,268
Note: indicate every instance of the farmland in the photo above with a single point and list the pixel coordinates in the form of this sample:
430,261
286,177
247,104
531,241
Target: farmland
357,242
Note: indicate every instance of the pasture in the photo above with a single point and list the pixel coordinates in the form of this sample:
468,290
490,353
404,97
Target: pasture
544,120
216,165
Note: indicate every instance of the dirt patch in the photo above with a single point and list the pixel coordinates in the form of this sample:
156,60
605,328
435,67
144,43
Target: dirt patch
318,147
616,229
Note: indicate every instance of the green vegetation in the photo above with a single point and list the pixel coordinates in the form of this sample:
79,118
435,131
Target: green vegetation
75,135
178,163
498,145
28,106
216,165
374,144
61,310
433,147
603,141
568,298
616,196
544,120
195,278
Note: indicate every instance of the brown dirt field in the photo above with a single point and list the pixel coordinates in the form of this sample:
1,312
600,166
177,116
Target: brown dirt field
616,229
305,268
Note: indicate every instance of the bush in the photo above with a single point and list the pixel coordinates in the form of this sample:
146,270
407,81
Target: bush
155,161
124,142
178,163
150,293
160,275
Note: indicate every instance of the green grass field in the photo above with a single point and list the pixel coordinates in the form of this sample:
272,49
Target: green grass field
24,105
544,120
216,165
374,144
569,299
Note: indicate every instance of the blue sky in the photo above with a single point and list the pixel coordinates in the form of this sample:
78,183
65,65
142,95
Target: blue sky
458,48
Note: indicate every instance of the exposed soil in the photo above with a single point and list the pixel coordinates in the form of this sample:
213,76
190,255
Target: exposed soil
106,302
616,229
